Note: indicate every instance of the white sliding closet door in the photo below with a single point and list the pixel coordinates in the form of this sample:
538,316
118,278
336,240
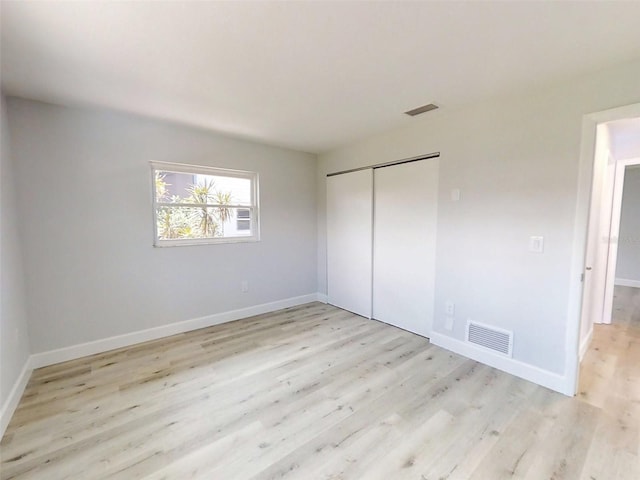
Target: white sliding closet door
406,207
349,241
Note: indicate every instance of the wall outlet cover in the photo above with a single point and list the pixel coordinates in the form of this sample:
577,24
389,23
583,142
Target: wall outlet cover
448,323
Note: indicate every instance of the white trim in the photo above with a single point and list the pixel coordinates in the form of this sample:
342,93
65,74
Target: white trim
15,395
190,242
51,357
200,205
200,169
626,282
322,298
584,346
554,381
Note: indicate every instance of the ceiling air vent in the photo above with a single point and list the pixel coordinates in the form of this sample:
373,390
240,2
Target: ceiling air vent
492,338
422,109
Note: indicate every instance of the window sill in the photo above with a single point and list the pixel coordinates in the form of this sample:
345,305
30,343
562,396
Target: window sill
194,242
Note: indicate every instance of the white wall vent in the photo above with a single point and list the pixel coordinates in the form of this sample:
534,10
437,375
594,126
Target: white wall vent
492,338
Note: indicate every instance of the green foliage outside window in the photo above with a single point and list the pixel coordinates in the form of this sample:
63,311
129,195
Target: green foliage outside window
186,222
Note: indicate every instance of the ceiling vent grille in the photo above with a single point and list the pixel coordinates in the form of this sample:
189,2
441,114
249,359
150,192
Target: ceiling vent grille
422,109
491,338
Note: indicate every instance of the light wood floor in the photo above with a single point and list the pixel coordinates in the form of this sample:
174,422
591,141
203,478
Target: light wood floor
314,392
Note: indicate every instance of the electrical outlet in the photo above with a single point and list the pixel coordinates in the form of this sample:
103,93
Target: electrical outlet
450,308
244,286
448,323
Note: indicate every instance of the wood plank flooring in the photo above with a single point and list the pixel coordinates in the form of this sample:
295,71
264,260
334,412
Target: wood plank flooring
314,392
610,381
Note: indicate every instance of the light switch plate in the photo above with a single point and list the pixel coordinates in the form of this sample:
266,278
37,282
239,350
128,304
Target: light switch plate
536,244
455,195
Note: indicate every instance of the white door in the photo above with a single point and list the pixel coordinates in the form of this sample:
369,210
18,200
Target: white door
596,249
349,241
405,219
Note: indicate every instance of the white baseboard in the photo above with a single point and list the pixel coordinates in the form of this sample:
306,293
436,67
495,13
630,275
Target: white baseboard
15,395
51,357
584,345
625,282
551,380
322,297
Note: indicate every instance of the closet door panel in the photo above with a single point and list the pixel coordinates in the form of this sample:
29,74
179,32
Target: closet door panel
349,241
406,207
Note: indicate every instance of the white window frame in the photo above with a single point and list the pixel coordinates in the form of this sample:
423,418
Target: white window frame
205,170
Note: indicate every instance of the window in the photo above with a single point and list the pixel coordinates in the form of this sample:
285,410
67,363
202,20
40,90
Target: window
195,205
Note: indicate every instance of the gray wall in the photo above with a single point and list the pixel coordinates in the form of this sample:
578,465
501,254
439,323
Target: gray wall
14,338
516,161
628,266
85,204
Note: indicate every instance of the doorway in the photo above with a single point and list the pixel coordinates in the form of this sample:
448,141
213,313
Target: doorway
623,268
613,241
628,255
609,369
615,153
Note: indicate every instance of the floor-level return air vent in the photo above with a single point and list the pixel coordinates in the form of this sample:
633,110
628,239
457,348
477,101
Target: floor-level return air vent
495,339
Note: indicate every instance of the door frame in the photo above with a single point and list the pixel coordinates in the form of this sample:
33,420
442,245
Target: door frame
590,123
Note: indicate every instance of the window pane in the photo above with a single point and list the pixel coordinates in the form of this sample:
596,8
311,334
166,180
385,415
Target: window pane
201,222
187,222
175,187
239,223
243,219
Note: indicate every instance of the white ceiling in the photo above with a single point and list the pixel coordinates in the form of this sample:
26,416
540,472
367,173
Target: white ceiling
305,75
